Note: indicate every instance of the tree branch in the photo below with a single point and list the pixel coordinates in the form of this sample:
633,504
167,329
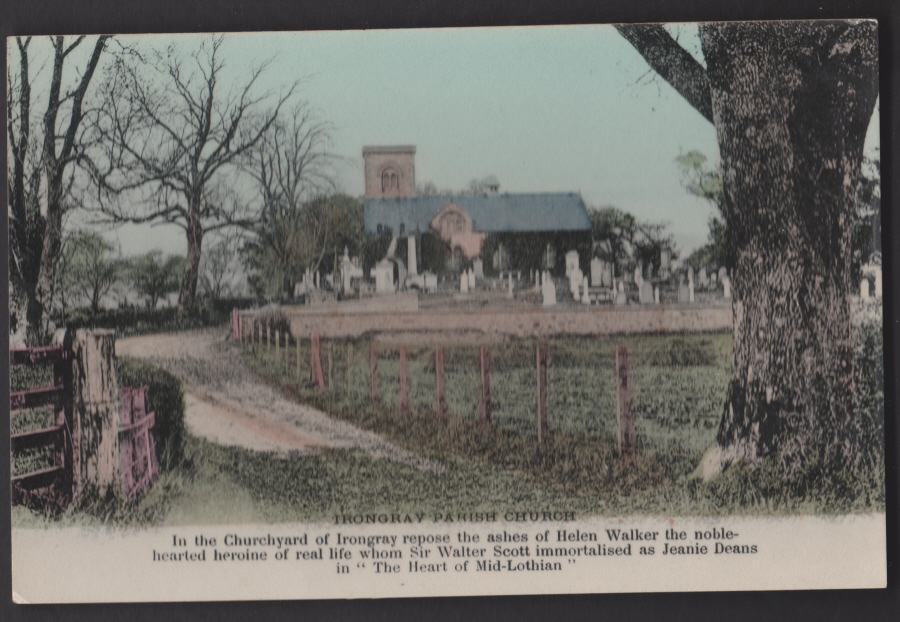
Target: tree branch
672,62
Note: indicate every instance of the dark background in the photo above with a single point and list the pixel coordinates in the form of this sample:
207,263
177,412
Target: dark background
47,17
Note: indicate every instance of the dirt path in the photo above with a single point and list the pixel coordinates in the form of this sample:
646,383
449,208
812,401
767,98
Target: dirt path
224,404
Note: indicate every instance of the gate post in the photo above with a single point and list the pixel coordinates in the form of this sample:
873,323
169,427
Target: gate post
95,425
315,363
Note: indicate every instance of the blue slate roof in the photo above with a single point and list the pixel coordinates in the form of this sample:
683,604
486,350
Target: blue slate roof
491,213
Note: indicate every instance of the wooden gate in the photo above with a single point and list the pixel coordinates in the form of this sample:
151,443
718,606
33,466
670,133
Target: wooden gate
137,447
58,436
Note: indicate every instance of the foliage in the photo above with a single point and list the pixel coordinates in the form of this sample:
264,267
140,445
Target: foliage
166,399
620,239
706,183
44,157
290,240
131,321
86,269
170,139
219,266
155,276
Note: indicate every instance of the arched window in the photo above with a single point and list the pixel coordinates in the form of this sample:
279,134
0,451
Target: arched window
390,181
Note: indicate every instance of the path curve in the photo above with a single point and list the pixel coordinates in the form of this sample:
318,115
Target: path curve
225,404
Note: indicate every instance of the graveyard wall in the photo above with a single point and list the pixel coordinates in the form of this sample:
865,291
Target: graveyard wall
499,324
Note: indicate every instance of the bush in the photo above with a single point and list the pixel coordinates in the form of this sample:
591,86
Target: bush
166,398
131,321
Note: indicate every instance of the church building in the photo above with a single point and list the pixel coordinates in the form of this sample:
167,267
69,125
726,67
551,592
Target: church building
391,207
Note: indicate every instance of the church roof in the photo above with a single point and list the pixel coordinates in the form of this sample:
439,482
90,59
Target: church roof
492,213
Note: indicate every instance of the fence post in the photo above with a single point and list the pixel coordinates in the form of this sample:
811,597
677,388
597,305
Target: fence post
298,359
484,394
542,431
277,342
623,409
62,376
403,371
315,363
95,425
373,373
440,394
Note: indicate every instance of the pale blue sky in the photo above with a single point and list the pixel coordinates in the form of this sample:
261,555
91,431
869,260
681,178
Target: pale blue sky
551,108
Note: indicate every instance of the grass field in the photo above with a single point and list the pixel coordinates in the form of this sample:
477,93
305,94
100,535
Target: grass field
678,384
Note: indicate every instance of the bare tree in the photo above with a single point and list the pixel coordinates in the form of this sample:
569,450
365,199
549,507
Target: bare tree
220,265
791,102
174,135
41,173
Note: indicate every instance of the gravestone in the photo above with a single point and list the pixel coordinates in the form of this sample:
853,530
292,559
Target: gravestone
620,295
596,272
722,274
645,293
656,295
509,293
638,276
471,275
712,280
704,280
690,275
548,290
575,279
463,283
726,287
585,294
431,282
478,268
384,277
571,262
683,294
691,292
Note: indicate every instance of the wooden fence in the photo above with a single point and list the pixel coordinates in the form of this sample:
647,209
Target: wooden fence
58,436
484,363
89,444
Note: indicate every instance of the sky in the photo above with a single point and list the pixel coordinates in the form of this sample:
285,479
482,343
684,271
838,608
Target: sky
544,109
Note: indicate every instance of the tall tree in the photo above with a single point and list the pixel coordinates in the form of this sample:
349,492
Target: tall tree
791,103
175,132
43,155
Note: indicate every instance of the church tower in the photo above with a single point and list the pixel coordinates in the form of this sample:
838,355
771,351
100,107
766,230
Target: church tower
390,171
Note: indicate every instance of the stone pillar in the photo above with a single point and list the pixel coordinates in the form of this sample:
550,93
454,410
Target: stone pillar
95,426
412,264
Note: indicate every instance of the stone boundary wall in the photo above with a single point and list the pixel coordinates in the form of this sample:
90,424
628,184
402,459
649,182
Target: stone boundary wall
500,324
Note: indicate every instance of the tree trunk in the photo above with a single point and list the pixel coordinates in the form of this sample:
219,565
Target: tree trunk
791,104
187,293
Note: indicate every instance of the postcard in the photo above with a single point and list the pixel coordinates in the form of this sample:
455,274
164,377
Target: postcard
369,314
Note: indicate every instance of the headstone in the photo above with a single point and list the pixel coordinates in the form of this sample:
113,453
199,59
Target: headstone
726,286
878,281
596,272
712,280
548,289
638,277
683,294
471,275
575,279
509,293
478,268
645,293
690,275
585,294
691,292
431,282
607,274
722,274
463,283
704,280
656,295
571,262
620,295
864,289
412,264
384,277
